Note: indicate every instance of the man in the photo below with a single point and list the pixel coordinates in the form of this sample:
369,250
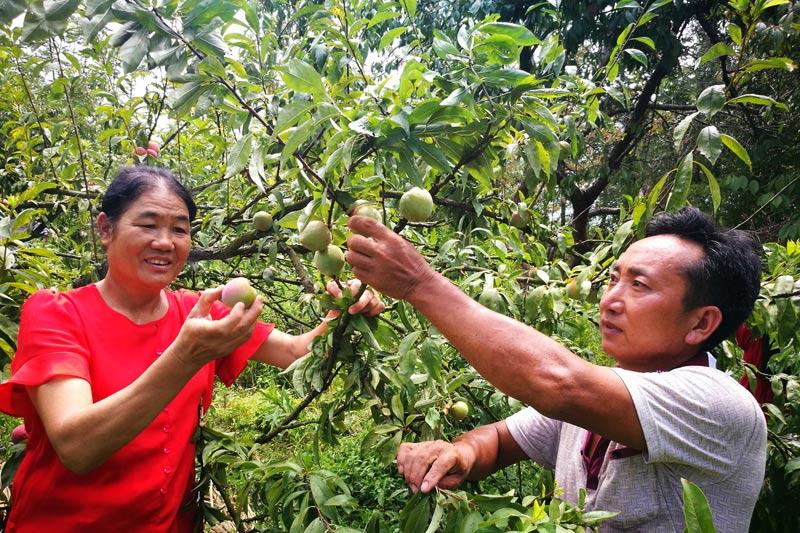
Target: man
627,434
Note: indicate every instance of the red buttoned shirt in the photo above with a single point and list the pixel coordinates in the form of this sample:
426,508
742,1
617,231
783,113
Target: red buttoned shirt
145,485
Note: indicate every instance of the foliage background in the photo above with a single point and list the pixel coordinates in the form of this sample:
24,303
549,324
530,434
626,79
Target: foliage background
583,119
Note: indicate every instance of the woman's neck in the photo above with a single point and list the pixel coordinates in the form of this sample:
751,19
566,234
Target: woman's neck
140,307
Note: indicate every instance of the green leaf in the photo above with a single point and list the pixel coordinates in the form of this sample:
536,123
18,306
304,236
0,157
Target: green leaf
713,185
638,55
9,9
709,143
301,77
291,114
696,510
735,33
93,26
297,137
680,130
647,41
96,7
734,146
239,156
682,185
718,50
390,36
340,500
133,51
711,100
771,3
442,46
416,514
521,35
782,63
410,7
182,100
36,27
59,9
757,99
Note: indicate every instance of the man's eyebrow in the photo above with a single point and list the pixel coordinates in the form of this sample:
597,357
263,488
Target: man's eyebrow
632,270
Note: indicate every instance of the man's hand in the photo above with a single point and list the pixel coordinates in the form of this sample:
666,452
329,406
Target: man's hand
369,303
434,464
385,260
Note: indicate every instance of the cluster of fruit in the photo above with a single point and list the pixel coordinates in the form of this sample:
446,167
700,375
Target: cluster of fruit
152,150
416,205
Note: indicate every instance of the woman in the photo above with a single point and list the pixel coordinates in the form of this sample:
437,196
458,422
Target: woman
111,378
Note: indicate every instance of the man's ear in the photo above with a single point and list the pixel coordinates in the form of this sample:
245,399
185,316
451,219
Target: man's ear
706,320
104,228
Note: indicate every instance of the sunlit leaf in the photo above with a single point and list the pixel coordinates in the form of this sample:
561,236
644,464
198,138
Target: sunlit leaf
711,100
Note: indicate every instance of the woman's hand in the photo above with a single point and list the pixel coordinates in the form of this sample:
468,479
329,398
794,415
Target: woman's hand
369,303
202,339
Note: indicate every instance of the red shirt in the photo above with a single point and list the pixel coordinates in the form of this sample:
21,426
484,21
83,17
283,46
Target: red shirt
143,485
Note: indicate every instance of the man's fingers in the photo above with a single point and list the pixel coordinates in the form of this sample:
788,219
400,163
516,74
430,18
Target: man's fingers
440,468
361,244
367,226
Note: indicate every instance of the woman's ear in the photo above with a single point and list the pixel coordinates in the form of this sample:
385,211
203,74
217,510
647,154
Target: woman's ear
105,228
707,319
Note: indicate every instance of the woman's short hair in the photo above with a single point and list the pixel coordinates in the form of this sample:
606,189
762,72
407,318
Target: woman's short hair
131,182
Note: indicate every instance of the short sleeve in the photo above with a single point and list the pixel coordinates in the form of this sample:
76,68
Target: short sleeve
51,343
695,418
229,367
537,435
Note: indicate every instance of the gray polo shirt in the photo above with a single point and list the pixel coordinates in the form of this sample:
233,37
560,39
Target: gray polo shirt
698,423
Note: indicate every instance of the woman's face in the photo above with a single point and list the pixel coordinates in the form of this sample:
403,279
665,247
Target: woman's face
149,244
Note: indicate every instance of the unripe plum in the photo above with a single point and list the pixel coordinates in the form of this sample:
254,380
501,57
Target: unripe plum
416,205
152,153
329,261
140,150
238,290
262,221
315,236
153,146
365,208
459,410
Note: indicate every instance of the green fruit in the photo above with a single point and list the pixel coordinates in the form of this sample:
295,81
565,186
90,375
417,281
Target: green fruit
238,290
315,236
521,217
566,149
491,298
573,290
262,221
459,411
365,208
329,261
416,205
268,275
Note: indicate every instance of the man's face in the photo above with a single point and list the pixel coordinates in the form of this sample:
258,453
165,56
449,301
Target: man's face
642,319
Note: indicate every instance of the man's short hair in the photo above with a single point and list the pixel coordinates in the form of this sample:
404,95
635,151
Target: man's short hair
729,274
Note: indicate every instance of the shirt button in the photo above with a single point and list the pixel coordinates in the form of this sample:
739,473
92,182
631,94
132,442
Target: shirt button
165,428
166,450
167,470
163,490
